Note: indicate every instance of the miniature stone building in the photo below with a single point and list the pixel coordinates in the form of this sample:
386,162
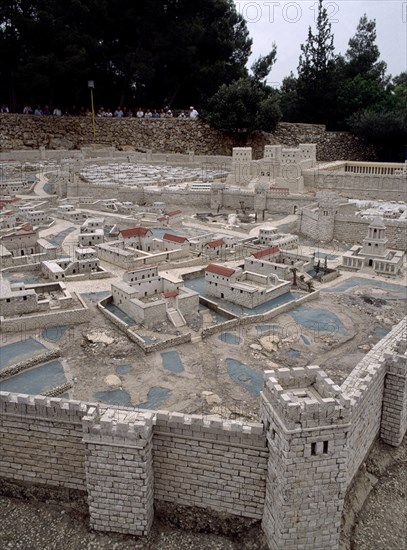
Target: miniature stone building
85,262
282,167
150,298
270,236
245,288
374,253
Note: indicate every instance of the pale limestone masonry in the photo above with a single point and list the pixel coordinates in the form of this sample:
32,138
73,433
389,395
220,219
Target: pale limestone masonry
332,217
292,470
307,419
119,470
360,180
210,462
164,135
42,440
365,387
394,423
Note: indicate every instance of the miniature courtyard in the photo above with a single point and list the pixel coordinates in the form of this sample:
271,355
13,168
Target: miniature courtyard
133,269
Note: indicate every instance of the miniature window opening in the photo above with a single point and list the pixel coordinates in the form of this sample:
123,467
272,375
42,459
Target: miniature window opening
313,449
325,448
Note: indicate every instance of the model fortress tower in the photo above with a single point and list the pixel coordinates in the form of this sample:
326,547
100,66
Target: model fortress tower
375,244
307,421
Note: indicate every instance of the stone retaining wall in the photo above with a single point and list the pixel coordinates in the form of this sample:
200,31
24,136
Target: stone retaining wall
74,316
170,136
24,365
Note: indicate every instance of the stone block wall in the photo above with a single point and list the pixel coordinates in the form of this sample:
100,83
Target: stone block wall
292,470
171,136
119,470
74,316
211,463
41,440
307,420
394,415
365,387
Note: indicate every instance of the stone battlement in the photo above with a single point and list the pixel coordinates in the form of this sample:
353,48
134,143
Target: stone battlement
291,470
41,406
305,398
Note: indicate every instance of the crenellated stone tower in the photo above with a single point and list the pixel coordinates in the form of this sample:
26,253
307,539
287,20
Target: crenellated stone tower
119,470
306,417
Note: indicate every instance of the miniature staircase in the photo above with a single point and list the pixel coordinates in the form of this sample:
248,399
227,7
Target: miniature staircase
176,317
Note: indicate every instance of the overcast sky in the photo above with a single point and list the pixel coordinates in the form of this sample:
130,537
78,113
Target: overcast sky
286,23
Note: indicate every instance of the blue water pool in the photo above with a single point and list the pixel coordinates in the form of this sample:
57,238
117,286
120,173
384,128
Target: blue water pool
54,333
121,315
159,233
19,351
317,319
380,331
59,238
156,397
321,255
148,339
49,188
249,379
123,369
305,340
274,329
172,361
36,380
399,290
23,278
230,338
293,353
119,398
96,296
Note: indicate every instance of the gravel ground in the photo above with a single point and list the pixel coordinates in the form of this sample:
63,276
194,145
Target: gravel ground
381,525
40,526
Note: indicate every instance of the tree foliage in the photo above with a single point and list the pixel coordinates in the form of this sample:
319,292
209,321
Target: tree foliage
154,51
316,71
243,104
247,103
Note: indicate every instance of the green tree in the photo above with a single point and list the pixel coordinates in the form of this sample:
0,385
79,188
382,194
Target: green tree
363,54
243,104
364,84
145,51
247,103
316,70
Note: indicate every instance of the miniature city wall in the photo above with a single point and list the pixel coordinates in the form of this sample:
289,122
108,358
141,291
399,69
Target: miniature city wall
291,470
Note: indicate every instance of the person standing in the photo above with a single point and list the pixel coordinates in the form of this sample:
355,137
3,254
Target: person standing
193,113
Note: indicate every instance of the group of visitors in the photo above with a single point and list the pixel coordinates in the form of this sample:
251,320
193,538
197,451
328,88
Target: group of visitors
140,113
118,113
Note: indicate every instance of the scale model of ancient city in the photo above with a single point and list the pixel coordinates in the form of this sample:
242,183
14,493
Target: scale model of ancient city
213,332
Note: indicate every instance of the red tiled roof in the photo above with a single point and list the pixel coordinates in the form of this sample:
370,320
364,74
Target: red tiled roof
266,252
214,244
220,270
26,227
162,219
9,213
170,294
134,232
174,238
174,212
5,200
